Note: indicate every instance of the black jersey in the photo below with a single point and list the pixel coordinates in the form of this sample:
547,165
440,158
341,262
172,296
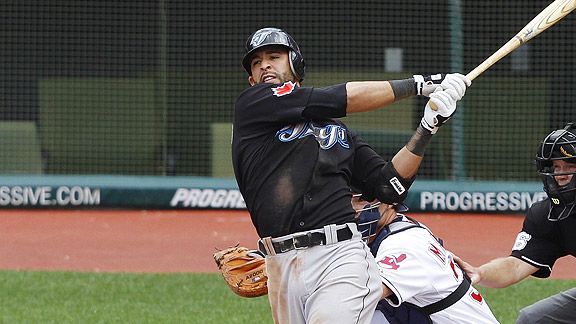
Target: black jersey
542,242
294,164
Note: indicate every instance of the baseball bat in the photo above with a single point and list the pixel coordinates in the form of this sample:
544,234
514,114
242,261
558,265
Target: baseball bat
546,18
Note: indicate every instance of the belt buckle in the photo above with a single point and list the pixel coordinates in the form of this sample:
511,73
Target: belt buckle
301,242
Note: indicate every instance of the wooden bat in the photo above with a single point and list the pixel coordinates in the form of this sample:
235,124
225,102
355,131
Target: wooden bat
546,18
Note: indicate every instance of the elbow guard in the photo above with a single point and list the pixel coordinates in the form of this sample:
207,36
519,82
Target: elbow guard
391,188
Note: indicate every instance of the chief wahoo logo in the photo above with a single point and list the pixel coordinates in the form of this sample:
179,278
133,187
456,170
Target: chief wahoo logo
392,262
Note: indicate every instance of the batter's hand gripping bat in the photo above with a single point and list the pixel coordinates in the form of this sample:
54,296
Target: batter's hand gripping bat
546,18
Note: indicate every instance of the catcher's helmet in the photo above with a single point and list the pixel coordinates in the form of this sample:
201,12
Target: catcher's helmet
558,145
368,217
274,36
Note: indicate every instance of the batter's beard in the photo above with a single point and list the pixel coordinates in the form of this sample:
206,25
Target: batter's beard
285,77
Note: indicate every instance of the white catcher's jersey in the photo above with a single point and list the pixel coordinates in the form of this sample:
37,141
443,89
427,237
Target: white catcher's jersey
420,271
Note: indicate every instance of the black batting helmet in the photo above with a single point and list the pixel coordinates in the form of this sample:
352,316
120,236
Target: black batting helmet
558,145
275,36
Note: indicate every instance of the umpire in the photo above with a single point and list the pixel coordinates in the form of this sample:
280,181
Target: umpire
548,233
294,164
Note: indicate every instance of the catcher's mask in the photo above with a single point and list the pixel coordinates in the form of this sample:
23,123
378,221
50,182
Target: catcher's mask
558,145
368,217
274,36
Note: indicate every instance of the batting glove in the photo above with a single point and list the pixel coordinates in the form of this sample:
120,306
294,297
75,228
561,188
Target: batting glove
445,103
426,84
457,82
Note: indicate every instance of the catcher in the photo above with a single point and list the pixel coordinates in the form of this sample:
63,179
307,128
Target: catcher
421,282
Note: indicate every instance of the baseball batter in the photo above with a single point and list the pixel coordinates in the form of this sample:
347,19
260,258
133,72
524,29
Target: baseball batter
294,164
418,273
548,233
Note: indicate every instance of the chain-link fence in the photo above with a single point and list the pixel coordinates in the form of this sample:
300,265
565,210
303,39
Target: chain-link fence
148,87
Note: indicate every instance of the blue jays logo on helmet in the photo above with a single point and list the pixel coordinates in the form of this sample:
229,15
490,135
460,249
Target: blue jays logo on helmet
260,38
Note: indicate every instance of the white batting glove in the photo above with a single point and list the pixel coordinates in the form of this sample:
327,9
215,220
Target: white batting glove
442,103
426,84
445,103
458,82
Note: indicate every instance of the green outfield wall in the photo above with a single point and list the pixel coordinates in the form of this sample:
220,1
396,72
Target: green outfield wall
150,192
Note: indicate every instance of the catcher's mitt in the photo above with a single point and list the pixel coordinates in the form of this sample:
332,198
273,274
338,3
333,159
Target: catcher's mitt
243,270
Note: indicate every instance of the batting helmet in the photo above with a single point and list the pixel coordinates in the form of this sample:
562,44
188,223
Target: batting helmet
274,36
558,145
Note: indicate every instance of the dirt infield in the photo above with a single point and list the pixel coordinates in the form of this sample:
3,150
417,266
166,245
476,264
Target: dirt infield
183,241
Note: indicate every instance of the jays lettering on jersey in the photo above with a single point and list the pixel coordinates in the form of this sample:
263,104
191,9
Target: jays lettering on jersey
293,162
541,242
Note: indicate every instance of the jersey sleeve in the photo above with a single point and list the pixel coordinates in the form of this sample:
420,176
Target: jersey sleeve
272,105
329,102
375,177
367,166
403,266
266,106
537,243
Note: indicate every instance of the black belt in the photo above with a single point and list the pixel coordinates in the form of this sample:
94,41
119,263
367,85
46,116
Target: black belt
306,240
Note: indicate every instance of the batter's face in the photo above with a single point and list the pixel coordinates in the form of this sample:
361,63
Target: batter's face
560,166
271,65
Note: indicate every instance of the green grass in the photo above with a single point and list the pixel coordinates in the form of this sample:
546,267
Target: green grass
69,297
505,303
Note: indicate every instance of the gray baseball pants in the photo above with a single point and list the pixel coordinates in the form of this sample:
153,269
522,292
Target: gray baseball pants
559,308
337,282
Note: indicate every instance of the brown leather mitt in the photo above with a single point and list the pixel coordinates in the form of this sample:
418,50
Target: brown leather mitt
243,270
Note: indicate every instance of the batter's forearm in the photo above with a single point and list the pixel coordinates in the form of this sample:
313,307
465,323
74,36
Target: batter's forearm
406,163
419,141
365,96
